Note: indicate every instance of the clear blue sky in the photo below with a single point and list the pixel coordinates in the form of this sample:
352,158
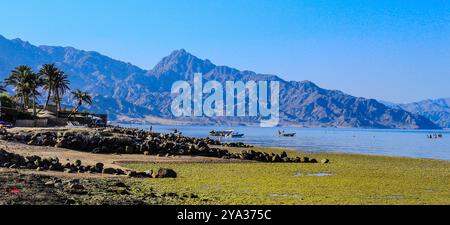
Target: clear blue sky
386,49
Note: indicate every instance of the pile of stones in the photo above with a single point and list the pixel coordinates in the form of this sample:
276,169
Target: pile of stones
133,141
16,161
124,142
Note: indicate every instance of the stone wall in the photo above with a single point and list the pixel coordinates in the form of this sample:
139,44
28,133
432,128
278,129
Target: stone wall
32,123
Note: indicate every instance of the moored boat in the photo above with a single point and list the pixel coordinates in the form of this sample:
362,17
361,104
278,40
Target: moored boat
235,135
284,134
223,133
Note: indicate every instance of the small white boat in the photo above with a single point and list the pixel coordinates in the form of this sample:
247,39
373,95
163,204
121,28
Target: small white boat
224,133
284,134
235,135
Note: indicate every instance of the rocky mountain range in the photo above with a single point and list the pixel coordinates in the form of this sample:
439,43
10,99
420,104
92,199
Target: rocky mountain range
129,93
438,110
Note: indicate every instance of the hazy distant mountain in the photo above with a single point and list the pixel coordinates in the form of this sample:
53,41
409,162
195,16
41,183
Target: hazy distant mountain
127,92
437,110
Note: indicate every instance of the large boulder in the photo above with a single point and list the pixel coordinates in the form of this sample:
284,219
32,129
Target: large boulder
109,171
165,173
276,158
134,174
98,167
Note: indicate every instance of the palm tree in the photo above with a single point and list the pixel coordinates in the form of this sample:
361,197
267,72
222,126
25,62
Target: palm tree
49,72
60,87
19,79
26,84
34,82
80,97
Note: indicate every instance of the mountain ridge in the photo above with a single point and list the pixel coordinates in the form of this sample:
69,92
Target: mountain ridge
124,90
437,110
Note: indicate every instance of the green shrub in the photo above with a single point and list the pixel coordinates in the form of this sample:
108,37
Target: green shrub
7,101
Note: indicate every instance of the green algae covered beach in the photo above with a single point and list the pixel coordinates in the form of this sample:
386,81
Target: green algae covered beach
212,173
347,179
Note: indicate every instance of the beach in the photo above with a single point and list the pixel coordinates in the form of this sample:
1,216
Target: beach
208,179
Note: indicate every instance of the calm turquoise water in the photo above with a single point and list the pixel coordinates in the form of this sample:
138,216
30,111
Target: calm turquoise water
408,143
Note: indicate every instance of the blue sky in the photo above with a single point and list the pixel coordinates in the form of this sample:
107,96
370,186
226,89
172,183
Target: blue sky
386,49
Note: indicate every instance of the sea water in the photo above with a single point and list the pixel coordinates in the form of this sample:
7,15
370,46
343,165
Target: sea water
406,143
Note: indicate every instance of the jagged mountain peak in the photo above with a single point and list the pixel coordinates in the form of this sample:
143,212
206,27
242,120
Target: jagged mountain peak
309,84
21,42
182,54
15,42
181,61
179,52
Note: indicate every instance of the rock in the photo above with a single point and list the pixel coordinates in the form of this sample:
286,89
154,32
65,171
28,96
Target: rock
284,155
99,166
130,149
121,184
313,161
58,185
146,153
109,171
74,181
76,186
131,174
123,192
165,173
193,196
50,183
78,163
53,168
81,169
134,174
19,137
120,172
325,161
276,158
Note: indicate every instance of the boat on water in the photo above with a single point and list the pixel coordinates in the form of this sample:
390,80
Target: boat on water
222,133
176,131
284,134
235,135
